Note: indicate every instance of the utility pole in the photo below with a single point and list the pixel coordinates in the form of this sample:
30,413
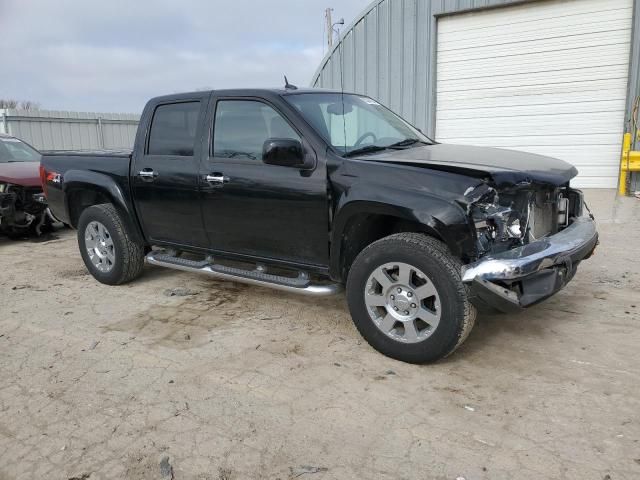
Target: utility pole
327,17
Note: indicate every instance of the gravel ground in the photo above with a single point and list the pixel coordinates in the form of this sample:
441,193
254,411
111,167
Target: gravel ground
178,376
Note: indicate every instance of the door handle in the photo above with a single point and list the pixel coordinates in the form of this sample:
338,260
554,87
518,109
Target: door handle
147,174
216,179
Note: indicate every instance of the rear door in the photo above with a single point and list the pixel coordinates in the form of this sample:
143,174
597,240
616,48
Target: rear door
165,174
261,210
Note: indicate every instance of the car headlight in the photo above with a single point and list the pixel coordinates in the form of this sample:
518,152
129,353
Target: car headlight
498,221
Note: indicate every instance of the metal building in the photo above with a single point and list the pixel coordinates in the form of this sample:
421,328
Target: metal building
58,130
555,77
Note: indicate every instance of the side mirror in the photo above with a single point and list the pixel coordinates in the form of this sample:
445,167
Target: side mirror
285,152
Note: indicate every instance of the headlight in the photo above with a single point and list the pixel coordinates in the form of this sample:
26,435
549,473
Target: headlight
497,221
514,229
504,221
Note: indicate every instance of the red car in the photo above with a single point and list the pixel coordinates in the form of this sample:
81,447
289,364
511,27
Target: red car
23,207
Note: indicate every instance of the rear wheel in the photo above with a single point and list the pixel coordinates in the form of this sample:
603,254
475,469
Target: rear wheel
407,298
107,247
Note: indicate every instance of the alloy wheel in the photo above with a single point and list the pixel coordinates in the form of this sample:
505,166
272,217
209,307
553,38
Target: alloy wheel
99,245
402,302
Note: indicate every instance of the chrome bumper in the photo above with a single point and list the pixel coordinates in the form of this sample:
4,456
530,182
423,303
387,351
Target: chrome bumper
542,267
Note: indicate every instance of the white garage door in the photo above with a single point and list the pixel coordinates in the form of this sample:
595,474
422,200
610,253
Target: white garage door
548,77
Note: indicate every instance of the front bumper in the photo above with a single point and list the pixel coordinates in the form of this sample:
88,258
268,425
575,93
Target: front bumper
523,276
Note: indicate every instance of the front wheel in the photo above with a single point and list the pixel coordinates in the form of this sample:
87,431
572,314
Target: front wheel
407,298
107,247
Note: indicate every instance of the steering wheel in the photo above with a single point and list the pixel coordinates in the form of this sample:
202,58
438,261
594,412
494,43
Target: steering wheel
365,135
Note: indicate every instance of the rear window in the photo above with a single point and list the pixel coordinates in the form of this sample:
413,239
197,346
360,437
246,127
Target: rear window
173,129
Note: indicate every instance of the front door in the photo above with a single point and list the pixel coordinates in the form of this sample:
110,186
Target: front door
165,176
261,210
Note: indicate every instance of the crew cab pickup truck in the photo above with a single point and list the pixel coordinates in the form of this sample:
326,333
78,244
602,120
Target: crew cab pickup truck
311,190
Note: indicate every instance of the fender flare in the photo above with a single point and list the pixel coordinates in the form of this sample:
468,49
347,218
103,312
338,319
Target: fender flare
440,218
87,180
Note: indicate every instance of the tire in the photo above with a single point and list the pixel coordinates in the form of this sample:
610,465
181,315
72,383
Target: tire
119,259
438,316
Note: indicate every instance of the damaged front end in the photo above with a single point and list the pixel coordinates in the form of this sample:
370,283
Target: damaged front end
23,210
530,239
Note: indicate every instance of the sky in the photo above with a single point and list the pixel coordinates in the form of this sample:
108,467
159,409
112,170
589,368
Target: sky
113,55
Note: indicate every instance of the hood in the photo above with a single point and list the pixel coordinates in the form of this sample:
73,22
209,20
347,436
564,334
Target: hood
505,167
26,174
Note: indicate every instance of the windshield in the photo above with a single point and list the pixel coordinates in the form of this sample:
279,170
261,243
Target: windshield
359,125
14,150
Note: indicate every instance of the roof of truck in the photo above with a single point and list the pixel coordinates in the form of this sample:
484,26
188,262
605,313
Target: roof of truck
279,91
250,92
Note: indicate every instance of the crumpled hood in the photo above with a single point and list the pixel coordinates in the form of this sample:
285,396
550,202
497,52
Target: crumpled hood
506,167
26,174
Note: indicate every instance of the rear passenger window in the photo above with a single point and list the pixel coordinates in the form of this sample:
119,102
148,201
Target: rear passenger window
242,126
173,129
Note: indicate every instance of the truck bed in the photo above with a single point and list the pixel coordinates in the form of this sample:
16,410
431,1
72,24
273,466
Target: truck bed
67,170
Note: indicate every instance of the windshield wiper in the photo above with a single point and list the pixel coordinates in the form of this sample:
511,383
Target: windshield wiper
362,150
407,142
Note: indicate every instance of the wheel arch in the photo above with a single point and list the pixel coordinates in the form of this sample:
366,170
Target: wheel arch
360,223
83,189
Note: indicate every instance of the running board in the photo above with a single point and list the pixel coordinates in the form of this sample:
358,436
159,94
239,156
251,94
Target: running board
301,284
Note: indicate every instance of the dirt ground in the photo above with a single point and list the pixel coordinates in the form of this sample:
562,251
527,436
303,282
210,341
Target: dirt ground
176,375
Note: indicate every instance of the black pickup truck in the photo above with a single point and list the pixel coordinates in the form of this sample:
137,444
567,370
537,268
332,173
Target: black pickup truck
311,190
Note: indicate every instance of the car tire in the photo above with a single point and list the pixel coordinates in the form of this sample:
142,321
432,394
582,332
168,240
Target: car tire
109,252
415,317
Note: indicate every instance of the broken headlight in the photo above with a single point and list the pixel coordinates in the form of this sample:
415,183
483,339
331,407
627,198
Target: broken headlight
499,222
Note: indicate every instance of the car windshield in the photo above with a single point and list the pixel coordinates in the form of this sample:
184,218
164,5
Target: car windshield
14,150
355,124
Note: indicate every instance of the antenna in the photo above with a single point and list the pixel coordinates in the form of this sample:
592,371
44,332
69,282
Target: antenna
289,86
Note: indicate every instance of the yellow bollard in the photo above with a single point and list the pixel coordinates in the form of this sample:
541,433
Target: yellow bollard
626,147
630,162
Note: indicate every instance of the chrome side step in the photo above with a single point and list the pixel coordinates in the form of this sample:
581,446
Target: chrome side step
301,284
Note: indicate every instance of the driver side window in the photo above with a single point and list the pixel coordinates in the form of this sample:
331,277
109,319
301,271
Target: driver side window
242,126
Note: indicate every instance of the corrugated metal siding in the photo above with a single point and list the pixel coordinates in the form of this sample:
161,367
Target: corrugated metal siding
399,68
58,130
